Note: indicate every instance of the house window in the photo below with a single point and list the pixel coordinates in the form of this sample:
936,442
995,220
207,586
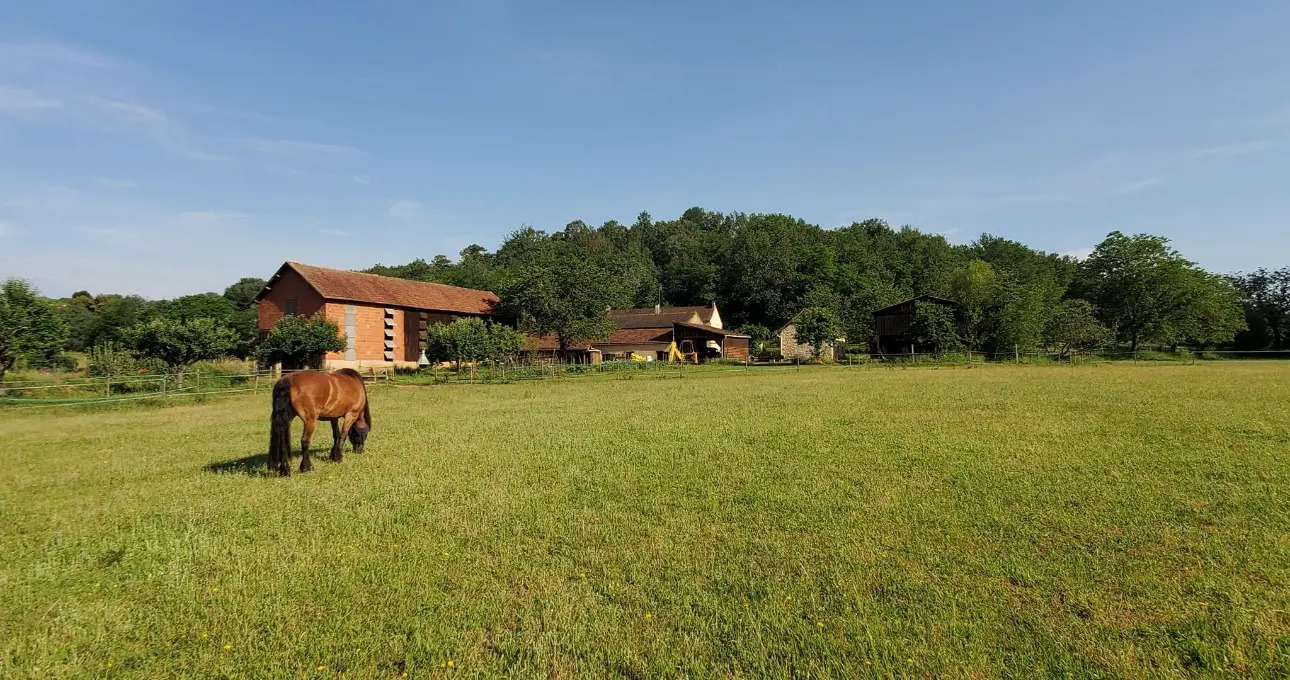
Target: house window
291,307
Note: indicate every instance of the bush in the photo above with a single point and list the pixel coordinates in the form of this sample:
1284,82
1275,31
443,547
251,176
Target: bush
67,362
725,361
110,360
301,342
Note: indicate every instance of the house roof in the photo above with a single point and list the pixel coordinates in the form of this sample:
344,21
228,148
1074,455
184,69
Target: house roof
646,317
549,342
920,298
712,330
336,284
632,336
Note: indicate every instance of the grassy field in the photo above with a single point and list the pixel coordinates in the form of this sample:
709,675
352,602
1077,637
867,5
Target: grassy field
1100,521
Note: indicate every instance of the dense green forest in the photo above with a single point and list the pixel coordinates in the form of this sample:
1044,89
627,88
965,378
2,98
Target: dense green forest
762,270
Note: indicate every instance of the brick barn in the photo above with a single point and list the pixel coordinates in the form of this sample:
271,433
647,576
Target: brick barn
383,319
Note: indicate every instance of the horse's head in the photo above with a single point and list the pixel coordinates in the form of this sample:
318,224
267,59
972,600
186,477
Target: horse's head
358,435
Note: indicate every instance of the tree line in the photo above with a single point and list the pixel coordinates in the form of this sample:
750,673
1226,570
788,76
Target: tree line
762,270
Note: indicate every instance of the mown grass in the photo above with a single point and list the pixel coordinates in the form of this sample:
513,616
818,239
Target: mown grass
1100,521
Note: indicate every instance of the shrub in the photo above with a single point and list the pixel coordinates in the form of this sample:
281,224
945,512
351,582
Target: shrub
300,342
110,360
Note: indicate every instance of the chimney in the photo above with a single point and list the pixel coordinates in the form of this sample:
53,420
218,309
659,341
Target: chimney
658,309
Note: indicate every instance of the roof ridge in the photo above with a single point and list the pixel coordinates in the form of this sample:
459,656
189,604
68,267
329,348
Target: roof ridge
383,276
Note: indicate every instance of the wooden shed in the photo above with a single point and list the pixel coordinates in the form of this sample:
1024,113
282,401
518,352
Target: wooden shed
891,325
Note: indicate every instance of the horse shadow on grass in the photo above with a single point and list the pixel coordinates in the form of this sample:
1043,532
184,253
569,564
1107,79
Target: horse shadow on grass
254,465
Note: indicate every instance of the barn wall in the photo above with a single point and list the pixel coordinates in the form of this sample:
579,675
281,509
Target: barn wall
736,348
290,286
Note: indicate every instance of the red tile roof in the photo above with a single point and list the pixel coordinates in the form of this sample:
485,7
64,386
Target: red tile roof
632,336
336,284
648,318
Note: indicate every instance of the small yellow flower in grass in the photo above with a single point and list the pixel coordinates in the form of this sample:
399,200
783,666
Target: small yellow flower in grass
648,616
788,599
396,545
909,661
205,635
582,574
322,667
450,663
227,647
215,589
819,624
109,664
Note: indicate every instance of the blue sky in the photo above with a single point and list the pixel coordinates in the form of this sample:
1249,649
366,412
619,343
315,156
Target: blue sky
166,147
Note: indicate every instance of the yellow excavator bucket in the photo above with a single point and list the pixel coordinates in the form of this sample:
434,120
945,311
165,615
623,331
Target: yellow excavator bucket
674,354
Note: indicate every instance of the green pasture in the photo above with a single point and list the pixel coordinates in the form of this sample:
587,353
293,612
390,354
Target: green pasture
1113,521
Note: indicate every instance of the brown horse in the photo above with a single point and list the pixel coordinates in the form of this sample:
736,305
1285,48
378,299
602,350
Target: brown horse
340,397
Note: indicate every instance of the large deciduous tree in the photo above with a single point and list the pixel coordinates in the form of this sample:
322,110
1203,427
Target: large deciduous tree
1146,292
1265,295
180,344
30,327
566,296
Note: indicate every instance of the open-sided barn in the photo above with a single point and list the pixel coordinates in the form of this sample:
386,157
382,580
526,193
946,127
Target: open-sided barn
891,325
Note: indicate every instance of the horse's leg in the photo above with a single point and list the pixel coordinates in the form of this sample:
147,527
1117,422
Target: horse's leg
336,442
305,464
336,454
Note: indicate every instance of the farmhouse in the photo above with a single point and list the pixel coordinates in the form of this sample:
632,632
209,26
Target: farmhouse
383,319
790,348
891,325
649,333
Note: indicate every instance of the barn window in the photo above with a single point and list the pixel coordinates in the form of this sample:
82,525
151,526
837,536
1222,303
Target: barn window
291,307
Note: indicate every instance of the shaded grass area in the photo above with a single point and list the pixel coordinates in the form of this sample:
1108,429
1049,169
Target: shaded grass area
1101,521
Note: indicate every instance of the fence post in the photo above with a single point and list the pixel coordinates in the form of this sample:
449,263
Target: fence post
1016,349
107,386
163,385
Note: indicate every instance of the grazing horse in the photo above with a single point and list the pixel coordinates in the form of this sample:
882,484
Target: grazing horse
340,397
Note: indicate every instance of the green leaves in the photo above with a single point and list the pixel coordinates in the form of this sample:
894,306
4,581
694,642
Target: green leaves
467,340
299,342
181,344
1147,292
30,327
933,327
817,327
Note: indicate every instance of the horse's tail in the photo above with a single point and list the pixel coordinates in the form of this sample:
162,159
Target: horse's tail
280,425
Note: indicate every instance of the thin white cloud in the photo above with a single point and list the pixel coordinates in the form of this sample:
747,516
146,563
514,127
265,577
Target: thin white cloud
1078,253
403,209
210,219
57,53
1236,149
293,146
25,104
361,179
113,183
333,232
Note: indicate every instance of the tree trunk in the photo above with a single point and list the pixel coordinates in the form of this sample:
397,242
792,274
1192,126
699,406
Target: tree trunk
4,391
179,377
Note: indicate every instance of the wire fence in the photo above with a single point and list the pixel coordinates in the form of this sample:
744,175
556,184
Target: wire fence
78,391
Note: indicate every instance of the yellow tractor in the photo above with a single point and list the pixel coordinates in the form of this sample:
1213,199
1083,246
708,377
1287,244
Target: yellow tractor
674,354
